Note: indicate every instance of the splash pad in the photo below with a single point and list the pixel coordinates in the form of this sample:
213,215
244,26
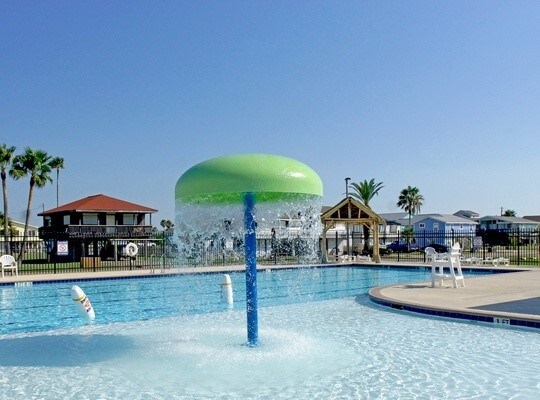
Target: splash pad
228,197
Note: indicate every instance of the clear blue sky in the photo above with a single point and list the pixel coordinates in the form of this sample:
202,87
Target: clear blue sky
444,96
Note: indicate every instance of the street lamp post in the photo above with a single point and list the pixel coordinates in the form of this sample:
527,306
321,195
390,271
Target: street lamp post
347,223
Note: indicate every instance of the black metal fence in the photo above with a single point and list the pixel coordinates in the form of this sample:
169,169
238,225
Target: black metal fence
519,247
51,257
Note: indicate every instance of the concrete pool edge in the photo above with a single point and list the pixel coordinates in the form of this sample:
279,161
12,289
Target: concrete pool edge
508,299
136,273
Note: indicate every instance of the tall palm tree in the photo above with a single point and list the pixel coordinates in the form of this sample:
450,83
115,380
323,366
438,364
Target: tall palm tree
410,200
6,159
2,221
58,164
37,165
365,191
166,224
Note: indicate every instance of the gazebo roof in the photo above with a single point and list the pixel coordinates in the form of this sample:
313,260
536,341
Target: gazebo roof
352,211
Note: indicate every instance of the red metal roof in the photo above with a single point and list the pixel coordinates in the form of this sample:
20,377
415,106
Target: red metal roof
100,203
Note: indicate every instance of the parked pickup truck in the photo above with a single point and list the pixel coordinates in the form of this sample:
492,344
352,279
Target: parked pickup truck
402,247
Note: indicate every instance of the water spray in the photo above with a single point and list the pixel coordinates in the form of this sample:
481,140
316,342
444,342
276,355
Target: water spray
215,186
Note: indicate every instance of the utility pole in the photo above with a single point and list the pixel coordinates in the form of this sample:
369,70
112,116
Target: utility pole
347,223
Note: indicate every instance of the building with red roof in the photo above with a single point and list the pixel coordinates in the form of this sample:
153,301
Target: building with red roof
92,224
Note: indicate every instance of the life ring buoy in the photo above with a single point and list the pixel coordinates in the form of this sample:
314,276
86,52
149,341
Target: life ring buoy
132,249
84,307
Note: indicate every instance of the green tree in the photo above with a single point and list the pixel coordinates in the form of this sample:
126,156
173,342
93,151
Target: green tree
58,164
166,224
410,200
509,213
2,224
365,191
37,165
6,160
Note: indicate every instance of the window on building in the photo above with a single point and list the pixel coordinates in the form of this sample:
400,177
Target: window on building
421,225
90,219
110,219
129,219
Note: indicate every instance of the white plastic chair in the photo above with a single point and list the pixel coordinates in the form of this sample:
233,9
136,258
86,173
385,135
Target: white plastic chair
9,263
452,261
431,254
500,261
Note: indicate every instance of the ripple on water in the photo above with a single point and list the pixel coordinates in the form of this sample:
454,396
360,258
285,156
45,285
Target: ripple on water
338,349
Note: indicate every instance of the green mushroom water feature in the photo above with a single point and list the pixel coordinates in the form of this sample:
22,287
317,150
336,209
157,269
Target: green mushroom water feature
234,196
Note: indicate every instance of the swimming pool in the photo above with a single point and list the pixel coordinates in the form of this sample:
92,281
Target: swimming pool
171,338
48,306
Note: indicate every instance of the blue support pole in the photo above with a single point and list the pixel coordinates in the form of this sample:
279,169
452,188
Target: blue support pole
250,253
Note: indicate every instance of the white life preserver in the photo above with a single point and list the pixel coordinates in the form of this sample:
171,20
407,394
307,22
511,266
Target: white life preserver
84,307
132,249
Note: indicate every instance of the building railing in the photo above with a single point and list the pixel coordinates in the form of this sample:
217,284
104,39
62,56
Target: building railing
99,231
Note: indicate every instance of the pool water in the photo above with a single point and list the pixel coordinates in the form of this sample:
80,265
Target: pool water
321,338
49,306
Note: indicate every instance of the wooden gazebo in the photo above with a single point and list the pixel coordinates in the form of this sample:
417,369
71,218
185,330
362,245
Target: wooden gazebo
350,211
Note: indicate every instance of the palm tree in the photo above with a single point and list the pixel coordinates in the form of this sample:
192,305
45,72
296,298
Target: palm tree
410,200
6,234
2,221
365,191
37,165
6,159
58,164
166,224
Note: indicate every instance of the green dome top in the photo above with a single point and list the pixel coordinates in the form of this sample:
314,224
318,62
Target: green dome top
226,179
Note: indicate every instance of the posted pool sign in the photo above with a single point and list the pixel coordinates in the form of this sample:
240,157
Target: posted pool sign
62,248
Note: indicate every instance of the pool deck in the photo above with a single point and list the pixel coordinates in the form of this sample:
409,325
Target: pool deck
510,298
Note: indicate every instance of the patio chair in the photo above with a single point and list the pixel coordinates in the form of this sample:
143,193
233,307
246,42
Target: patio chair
452,261
472,260
431,254
9,264
500,261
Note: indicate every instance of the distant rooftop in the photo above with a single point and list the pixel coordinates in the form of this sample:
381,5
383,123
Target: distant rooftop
446,218
99,203
467,214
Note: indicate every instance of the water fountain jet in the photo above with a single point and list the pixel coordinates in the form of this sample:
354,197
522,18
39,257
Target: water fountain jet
248,180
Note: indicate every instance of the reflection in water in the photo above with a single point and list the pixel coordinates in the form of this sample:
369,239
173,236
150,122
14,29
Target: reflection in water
66,350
